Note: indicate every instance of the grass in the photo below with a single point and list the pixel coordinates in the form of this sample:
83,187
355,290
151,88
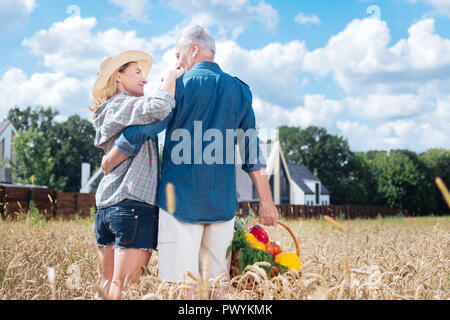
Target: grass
380,259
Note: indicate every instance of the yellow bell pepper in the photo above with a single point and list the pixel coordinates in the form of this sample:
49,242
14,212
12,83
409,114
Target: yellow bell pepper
250,238
258,245
289,260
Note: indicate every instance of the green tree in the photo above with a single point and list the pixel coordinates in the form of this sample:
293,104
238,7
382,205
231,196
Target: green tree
70,143
437,162
35,165
360,185
327,155
399,181
40,118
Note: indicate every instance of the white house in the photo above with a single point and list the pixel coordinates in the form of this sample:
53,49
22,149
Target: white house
290,183
89,184
308,189
7,133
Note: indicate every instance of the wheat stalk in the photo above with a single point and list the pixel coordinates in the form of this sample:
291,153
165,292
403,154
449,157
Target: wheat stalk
333,222
444,190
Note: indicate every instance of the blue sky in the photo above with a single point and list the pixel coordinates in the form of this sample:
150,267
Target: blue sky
380,81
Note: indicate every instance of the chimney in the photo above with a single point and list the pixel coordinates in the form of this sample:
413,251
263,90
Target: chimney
85,173
6,175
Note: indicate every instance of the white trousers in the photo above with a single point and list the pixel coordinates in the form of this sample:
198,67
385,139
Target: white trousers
186,246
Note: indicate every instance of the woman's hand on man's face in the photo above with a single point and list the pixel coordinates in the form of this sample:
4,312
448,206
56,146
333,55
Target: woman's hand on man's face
173,74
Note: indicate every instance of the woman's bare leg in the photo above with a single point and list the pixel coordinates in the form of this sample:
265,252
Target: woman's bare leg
106,264
128,265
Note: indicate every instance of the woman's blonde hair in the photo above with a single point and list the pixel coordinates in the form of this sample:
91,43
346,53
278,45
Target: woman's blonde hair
109,91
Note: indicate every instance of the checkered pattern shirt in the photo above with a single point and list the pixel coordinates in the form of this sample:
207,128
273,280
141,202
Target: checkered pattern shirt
136,177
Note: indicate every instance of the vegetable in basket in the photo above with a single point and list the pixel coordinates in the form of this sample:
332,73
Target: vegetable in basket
289,260
260,234
249,255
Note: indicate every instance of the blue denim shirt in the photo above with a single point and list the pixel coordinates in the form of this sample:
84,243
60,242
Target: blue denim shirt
199,151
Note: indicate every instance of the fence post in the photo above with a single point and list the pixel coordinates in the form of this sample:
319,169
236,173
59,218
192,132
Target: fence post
76,203
30,197
2,201
53,201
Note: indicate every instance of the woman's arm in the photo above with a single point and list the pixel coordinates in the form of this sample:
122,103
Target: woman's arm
130,143
132,138
144,110
169,80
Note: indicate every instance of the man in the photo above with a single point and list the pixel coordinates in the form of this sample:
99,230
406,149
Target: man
209,105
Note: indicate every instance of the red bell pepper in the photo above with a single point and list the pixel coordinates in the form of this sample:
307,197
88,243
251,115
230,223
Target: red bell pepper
260,234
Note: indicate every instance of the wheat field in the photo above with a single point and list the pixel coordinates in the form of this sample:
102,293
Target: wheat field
382,259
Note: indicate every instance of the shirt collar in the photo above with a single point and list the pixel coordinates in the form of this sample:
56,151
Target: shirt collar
207,65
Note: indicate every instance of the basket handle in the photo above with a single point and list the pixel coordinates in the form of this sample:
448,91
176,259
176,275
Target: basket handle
297,246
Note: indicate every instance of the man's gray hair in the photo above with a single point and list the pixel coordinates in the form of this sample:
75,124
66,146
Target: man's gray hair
197,34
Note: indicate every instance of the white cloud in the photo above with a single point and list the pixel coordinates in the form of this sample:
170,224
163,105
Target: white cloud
422,132
424,50
68,95
382,106
442,7
229,13
304,19
72,45
133,9
360,59
317,110
15,12
266,14
272,72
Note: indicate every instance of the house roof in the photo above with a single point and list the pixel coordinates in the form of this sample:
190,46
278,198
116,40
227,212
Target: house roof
324,190
4,125
299,173
28,186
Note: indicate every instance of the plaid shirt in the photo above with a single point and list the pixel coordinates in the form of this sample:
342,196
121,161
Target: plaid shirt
135,177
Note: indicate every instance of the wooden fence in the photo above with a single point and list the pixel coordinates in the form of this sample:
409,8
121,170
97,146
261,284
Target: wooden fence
52,203
289,211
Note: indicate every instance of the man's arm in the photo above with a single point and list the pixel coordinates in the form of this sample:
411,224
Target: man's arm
268,213
130,143
254,164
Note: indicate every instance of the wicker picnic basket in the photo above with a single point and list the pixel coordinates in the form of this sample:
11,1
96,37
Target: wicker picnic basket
274,270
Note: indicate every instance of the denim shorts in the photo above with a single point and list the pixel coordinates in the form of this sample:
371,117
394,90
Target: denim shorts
128,225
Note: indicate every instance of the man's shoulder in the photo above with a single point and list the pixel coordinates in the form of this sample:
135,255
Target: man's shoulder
218,76
242,82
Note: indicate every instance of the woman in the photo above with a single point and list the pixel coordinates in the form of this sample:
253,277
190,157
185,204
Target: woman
126,221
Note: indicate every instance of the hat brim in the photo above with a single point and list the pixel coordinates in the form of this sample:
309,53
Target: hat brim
144,61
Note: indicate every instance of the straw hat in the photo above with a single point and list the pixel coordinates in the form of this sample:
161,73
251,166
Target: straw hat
112,63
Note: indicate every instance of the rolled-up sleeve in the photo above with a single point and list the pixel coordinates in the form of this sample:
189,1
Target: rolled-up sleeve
250,150
132,138
125,111
143,110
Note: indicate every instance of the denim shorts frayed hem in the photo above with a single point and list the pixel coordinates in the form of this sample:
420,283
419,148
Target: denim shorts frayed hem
128,225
